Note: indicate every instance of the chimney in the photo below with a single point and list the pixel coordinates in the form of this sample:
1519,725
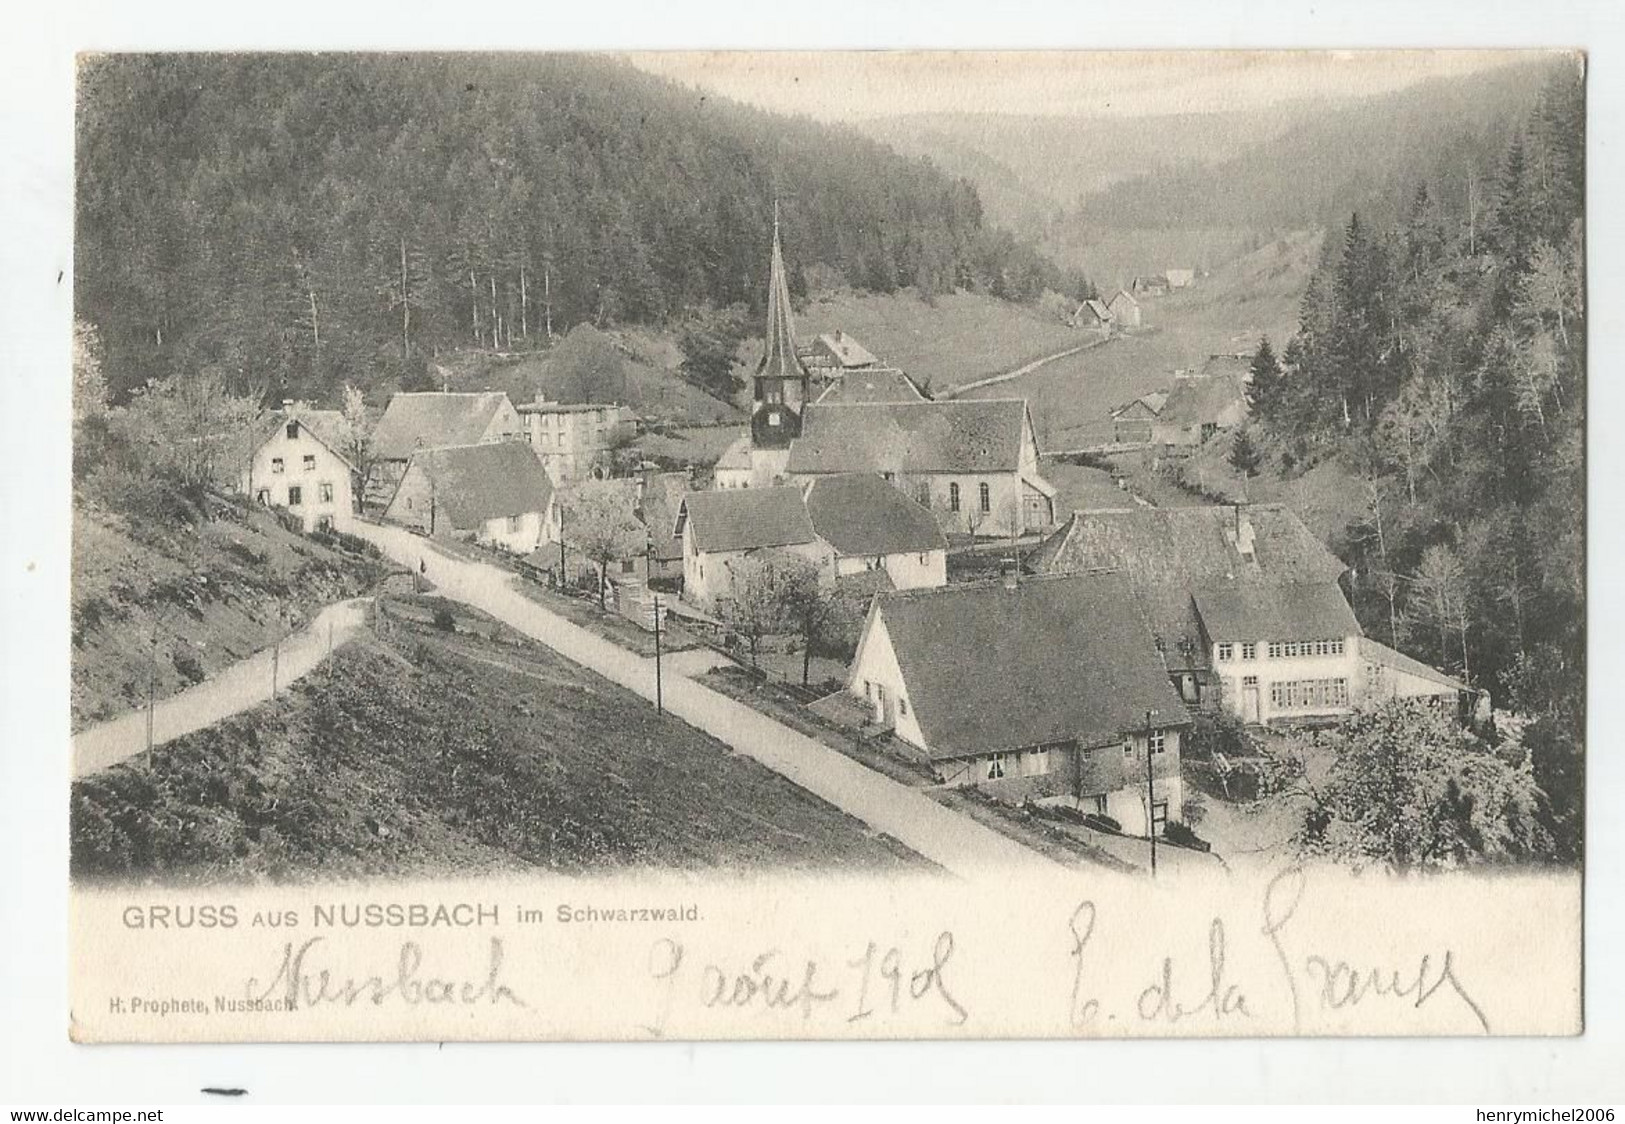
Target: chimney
839,335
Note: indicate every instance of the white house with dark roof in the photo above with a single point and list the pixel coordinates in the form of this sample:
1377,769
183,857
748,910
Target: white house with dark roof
973,462
1124,308
1203,403
298,467
834,352
877,533
1049,688
574,440
435,420
1244,603
720,528
496,494
734,468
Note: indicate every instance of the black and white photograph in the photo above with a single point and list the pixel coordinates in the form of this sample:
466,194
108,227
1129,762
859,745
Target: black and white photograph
540,512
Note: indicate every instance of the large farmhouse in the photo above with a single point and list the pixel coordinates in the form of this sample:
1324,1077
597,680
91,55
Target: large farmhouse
298,467
878,533
1049,688
1244,604
1200,405
495,494
432,420
720,529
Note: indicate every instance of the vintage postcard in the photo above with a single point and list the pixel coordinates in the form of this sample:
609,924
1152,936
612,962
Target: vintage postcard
828,545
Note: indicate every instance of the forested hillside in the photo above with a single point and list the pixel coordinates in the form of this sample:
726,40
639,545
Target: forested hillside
1440,359
299,221
1329,163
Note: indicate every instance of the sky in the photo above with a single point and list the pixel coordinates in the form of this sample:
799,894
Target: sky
858,84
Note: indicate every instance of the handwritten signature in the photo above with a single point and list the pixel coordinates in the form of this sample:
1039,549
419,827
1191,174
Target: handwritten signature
302,981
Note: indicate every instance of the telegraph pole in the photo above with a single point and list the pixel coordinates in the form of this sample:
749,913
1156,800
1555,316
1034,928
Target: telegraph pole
1150,797
660,700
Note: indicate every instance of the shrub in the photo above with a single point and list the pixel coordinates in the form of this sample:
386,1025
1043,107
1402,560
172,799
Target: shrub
1181,835
444,619
1101,822
188,666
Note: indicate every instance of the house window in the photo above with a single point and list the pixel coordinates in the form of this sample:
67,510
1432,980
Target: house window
922,493
276,466
1159,741
295,495
1128,748
293,431
902,706
1337,647
1226,651
1249,650
264,496
310,462
627,565
1100,804
324,522
995,766
1309,694
953,496
986,495
325,491
1274,649
513,524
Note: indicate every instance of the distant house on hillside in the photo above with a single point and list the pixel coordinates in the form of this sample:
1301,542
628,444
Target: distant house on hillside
495,494
720,529
1032,690
972,462
432,420
1180,278
877,532
1199,406
871,384
1132,423
834,353
1093,315
298,466
1149,286
1246,608
575,441
1125,309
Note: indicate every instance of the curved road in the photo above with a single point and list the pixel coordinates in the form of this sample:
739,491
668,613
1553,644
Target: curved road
954,842
244,684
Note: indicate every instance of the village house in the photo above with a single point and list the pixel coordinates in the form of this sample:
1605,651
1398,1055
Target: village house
1244,603
734,468
575,441
1201,404
1387,673
870,384
1180,278
972,462
1133,423
1046,688
1149,286
877,533
298,467
495,494
1125,310
719,529
431,420
1093,315
834,353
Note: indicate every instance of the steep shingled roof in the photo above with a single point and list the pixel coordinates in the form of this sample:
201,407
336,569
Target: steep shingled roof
973,435
1096,309
473,483
988,668
1379,653
1171,553
746,519
847,351
1203,398
865,515
874,384
432,420
1281,612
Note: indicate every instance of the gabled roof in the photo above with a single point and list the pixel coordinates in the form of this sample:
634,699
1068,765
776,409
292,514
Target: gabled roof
1152,403
736,455
969,435
1380,653
1125,294
1281,612
325,426
871,384
1203,398
493,480
1171,553
847,351
745,519
865,515
1097,309
433,419
987,667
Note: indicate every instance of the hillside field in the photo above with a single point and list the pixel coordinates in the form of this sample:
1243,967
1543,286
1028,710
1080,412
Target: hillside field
445,747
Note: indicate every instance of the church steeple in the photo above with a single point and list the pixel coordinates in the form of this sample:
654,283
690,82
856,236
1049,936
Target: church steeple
781,385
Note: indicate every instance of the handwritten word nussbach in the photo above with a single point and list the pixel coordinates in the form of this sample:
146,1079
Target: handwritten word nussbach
302,980
875,984
1315,983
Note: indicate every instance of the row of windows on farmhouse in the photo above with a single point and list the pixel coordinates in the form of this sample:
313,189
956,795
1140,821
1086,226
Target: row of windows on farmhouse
296,494
1281,649
984,496
1036,762
309,464
1309,694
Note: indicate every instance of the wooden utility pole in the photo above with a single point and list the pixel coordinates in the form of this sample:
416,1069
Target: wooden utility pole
1150,797
660,694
